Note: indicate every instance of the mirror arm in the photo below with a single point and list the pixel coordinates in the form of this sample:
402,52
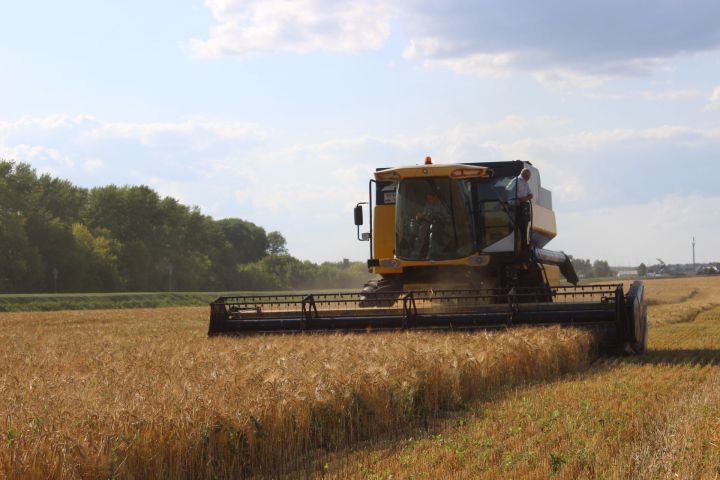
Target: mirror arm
358,219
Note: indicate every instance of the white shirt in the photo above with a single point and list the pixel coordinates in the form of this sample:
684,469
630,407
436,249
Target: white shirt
523,189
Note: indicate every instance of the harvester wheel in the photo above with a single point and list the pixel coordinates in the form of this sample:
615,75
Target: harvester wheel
637,324
374,293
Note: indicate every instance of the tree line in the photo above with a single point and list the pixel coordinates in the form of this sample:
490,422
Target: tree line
55,236
587,269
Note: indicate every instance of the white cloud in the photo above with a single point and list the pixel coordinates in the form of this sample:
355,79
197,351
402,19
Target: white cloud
569,78
594,140
94,129
66,138
576,44
483,65
714,100
650,95
301,26
184,154
672,95
92,164
37,154
47,122
146,132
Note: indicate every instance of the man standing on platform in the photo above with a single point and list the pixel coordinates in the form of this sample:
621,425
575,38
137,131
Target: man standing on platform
520,196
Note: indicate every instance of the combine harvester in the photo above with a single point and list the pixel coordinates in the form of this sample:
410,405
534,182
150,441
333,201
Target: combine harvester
456,249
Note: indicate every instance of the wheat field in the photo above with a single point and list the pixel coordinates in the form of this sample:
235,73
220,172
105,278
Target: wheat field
144,394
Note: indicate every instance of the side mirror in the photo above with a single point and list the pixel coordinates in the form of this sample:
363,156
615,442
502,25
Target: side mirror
358,215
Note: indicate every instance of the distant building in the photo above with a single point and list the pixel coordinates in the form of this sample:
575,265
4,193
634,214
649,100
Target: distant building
628,273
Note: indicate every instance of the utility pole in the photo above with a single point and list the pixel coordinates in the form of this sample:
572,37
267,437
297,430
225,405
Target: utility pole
693,252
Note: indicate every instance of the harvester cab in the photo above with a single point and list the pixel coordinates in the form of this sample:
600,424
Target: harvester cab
458,246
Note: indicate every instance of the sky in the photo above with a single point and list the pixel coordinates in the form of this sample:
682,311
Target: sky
278,111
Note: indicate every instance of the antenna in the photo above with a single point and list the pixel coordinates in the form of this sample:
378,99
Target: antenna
693,244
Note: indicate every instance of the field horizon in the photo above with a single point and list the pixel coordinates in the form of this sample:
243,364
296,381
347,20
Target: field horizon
32,302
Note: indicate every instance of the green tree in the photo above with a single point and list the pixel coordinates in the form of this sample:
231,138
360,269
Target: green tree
642,270
601,268
277,272
54,240
240,242
133,216
246,242
277,245
582,267
284,272
98,256
21,267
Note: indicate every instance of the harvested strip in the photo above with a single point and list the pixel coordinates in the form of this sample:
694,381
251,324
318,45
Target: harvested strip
655,416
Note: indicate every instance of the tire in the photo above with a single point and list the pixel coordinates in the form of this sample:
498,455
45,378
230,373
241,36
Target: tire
636,321
641,347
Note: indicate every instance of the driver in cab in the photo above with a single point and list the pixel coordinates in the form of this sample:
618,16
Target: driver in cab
432,220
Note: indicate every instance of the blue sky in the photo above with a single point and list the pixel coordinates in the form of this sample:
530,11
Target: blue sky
278,111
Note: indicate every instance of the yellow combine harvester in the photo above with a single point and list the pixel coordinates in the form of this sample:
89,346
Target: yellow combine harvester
456,247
